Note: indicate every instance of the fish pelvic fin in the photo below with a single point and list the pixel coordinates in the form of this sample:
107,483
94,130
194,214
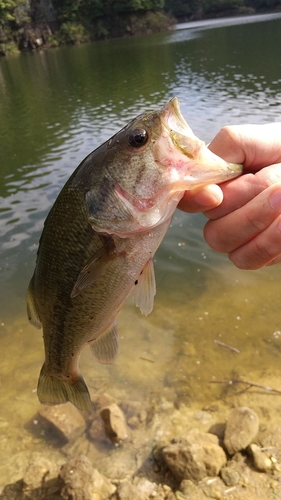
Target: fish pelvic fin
52,390
145,289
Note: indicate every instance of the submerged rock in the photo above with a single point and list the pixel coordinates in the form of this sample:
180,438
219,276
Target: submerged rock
65,419
128,491
194,456
114,423
80,481
241,428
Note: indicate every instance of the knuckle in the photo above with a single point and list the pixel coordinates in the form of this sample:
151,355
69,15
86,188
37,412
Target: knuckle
212,236
257,224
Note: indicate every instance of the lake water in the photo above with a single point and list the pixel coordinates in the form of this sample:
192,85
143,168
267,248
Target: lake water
55,108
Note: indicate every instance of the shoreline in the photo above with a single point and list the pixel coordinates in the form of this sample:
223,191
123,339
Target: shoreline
41,36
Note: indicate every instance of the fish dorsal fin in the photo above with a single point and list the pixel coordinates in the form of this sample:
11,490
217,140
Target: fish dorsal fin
105,347
94,267
145,289
32,313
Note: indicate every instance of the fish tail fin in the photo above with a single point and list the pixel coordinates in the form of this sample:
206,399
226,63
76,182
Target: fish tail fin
54,391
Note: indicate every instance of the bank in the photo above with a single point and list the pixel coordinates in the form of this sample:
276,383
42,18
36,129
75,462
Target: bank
29,25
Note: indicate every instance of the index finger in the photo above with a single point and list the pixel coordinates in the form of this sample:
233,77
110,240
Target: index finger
240,191
256,146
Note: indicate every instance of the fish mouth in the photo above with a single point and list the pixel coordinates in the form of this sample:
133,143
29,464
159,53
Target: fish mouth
198,165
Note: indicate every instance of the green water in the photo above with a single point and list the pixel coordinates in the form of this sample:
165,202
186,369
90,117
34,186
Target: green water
56,107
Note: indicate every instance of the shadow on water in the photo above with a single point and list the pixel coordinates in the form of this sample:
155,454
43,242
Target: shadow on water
80,96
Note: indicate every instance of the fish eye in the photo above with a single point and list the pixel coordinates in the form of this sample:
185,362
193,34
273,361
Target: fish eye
138,137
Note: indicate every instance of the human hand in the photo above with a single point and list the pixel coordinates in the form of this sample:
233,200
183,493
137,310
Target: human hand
246,222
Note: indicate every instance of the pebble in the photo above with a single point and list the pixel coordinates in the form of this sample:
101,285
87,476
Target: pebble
229,476
241,428
261,462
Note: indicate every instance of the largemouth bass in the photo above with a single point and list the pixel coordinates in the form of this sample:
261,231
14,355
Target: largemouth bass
100,237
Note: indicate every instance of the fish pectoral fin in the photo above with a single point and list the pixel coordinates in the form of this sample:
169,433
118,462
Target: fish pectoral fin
145,289
32,313
52,390
105,347
94,267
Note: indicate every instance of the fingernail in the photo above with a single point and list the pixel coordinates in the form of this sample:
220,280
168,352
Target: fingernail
275,200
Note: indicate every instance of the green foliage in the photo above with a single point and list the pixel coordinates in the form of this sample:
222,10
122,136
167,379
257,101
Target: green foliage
130,6
91,10
73,33
7,10
9,47
150,22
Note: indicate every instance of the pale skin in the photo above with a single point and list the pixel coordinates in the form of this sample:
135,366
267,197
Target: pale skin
245,213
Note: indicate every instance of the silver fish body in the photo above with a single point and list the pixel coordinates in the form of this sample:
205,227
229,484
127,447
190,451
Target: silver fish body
100,237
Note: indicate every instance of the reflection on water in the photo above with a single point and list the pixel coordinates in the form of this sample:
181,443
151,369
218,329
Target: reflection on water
80,96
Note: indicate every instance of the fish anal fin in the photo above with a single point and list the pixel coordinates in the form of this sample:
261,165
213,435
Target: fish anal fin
94,267
52,390
145,289
32,313
105,347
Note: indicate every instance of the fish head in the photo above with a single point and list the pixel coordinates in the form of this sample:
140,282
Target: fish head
146,168
190,163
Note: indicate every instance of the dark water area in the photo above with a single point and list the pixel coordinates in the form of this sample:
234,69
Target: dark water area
55,108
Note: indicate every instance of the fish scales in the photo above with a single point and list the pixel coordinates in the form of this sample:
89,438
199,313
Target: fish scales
100,237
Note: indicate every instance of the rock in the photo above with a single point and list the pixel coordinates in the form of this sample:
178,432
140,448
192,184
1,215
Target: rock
39,479
131,408
103,400
261,462
38,473
80,481
128,491
213,488
194,456
146,486
190,490
96,431
157,452
114,423
134,422
241,428
66,420
135,414
229,476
